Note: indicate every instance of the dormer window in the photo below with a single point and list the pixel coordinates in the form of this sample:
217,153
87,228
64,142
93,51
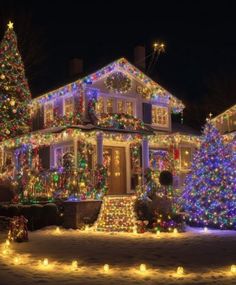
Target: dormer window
160,116
120,106
48,113
110,105
100,105
129,108
68,106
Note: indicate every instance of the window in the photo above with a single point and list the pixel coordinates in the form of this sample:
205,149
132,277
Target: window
160,116
48,113
185,158
109,105
130,108
120,106
68,106
1,157
59,153
100,105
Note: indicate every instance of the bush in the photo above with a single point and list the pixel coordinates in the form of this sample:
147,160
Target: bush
38,216
166,178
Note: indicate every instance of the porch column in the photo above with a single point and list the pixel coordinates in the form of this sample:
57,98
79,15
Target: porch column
76,152
100,148
145,154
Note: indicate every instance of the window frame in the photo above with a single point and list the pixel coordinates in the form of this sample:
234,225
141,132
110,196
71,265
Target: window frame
63,147
186,169
115,100
45,111
167,125
64,104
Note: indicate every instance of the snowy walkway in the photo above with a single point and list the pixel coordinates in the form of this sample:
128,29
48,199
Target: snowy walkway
206,258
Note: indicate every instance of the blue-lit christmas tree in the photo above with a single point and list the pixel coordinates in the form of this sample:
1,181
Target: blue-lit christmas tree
210,189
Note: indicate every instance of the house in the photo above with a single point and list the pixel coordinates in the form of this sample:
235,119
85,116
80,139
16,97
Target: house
226,123
116,117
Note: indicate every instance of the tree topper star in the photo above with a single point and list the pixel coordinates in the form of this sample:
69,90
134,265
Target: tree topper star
10,25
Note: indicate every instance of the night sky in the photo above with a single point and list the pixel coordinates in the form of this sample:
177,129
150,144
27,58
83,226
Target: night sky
199,65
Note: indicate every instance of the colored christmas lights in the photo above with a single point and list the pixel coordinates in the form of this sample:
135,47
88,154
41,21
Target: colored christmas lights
14,90
209,194
117,214
121,122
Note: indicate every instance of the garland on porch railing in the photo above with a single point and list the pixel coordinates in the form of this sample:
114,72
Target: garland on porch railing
120,122
72,119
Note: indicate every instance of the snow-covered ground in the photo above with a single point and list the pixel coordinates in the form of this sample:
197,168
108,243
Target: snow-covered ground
205,256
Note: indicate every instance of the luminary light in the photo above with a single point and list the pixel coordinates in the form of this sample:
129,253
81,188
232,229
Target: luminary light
158,233
205,229
106,267
7,242
16,260
58,230
74,264
142,267
180,270
45,262
175,231
233,268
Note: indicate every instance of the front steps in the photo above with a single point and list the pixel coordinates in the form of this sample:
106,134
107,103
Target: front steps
117,214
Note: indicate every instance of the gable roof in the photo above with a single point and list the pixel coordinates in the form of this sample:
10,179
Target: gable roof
226,113
122,64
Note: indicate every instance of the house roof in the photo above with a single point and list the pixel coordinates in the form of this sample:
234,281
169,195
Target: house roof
158,92
226,113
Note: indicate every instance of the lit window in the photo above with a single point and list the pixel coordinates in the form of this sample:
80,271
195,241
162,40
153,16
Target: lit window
69,106
160,116
100,105
109,105
185,157
129,108
120,106
59,154
1,157
48,113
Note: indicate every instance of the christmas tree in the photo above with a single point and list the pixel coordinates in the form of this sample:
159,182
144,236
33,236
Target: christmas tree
210,190
14,89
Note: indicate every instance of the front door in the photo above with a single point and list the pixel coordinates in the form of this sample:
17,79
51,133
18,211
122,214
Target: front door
114,160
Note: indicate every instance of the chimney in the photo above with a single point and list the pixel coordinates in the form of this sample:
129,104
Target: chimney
75,67
139,57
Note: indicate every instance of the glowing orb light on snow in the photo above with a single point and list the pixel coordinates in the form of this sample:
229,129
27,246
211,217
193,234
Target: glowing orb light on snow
158,233
175,231
5,251
45,262
205,229
233,268
106,267
58,231
74,264
180,270
16,260
142,267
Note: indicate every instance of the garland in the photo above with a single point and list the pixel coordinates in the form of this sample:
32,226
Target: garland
120,122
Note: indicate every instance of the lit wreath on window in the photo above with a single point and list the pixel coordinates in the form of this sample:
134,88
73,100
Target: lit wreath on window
118,82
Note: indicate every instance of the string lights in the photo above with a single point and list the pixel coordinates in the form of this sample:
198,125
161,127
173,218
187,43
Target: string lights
117,214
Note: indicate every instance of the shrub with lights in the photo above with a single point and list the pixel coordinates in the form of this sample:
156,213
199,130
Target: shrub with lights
210,188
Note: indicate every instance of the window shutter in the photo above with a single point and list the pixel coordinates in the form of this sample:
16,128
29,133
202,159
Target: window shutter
44,156
147,113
